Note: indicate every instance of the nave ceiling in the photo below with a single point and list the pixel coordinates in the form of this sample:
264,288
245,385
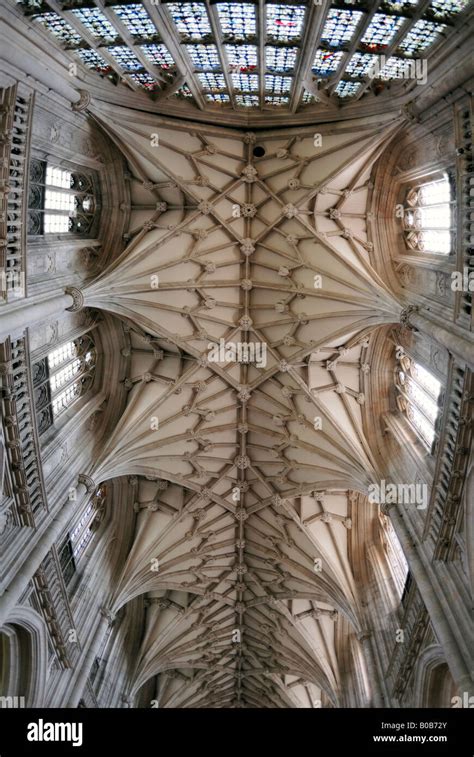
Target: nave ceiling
246,473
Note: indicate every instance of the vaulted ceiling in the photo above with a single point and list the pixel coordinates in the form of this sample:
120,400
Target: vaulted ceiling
246,463
247,59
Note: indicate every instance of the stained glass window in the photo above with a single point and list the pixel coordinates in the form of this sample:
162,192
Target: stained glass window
220,97
308,98
204,56
285,22
247,100
419,393
159,56
238,20
136,19
62,377
326,61
400,5
361,64
381,30
428,217
276,100
347,88
143,79
183,93
339,27
61,201
91,59
278,84
245,82
96,23
125,58
280,58
212,81
191,19
423,34
60,28
444,8
394,68
241,57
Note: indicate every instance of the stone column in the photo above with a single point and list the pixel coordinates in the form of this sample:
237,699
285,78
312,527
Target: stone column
454,658
86,661
458,342
15,320
53,530
364,639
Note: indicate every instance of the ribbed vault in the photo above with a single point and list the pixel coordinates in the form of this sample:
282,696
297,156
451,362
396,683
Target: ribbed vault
245,460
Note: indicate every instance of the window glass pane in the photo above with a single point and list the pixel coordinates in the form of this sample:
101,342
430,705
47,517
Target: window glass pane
204,56
96,23
158,55
326,61
237,20
61,354
191,19
60,28
125,58
280,58
60,378
55,224
285,22
59,200
340,26
58,177
243,57
382,30
136,19
423,34
426,379
245,82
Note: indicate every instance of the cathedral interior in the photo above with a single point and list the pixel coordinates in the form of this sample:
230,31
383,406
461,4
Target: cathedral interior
236,354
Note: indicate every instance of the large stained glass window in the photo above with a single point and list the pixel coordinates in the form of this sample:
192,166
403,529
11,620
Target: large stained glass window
428,218
418,397
253,39
61,378
61,200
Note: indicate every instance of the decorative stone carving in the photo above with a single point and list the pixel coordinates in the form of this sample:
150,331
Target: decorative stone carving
83,102
88,482
77,299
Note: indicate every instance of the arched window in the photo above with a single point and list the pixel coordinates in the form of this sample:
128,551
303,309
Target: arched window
62,200
62,377
428,218
418,397
395,555
80,536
